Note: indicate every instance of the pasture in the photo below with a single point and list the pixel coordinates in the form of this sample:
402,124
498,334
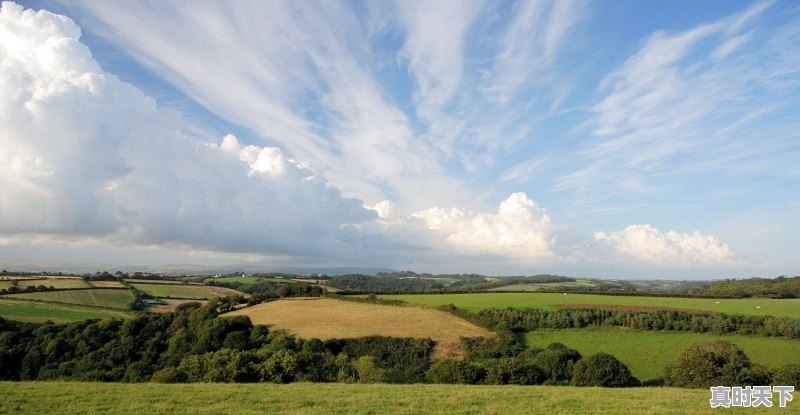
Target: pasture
648,353
110,298
198,292
479,301
158,281
58,283
547,285
328,318
39,312
311,398
107,284
249,280
168,306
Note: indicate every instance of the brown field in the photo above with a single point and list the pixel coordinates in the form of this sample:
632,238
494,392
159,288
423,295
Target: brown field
107,284
169,306
328,319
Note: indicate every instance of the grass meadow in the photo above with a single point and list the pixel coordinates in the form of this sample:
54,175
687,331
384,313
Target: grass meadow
479,301
327,319
39,312
59,283
309,398
249,280
648,353
110,298
168,306
200,292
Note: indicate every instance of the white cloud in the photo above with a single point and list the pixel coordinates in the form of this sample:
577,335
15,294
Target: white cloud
434,48
300,77
520,228
530,44
646,244
86,159
84,154
385,209
679,104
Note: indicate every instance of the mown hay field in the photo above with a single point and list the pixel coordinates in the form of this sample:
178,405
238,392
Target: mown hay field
111,298
200,292
479,301
70,398
39,312
327,319
648,353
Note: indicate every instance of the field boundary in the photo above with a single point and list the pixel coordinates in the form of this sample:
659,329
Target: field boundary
5,298
66,289
610,294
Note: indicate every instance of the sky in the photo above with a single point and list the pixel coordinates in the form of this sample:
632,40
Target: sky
622,139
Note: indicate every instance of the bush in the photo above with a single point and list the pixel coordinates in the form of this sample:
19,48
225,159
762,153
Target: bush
604,370
557,362
707,364
368,370
788,375
169,375
456,371
513,371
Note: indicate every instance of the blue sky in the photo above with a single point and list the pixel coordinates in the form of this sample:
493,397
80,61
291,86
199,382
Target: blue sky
630,139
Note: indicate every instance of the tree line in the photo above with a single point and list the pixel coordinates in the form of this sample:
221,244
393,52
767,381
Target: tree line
668,320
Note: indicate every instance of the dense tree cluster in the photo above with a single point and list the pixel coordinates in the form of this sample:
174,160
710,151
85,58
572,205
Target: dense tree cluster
713,363
193,345
781,287
669,320
366,283
602,369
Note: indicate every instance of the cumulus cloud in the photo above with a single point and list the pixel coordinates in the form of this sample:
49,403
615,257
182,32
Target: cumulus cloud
87,159
520,228
82,153
646,244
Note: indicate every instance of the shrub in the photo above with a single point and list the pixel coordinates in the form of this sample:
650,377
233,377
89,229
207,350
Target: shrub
456,371
602,369
788,375
513,371
368,370
707,364
557,362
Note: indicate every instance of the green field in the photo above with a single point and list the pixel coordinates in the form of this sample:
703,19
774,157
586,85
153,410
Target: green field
479,301
38,312
48,282
310,398
648,353
185,291
144,281
248,280
112,298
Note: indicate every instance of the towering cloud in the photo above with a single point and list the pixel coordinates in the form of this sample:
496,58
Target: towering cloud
520,228
82,153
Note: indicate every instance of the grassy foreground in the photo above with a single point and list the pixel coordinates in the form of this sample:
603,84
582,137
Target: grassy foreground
308,398
648,353
479,301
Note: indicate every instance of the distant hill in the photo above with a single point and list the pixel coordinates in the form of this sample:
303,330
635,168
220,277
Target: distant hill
23,265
